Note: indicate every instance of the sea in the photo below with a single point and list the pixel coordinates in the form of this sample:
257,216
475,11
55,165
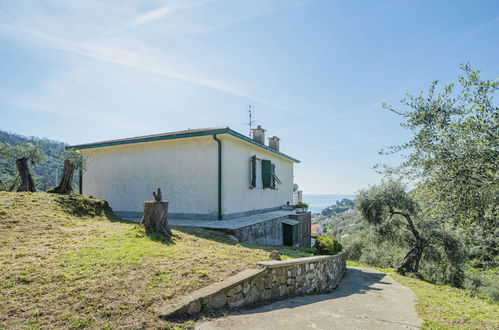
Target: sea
317,203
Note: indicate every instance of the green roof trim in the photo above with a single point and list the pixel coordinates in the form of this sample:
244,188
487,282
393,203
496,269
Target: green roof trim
178,135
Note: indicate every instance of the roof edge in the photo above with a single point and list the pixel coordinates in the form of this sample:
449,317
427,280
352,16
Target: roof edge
180,135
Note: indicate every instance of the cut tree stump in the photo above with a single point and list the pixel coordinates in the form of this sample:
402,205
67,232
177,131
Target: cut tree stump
27,183
66,184
155,218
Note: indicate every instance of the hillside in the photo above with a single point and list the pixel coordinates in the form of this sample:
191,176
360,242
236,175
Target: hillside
46,173
67,261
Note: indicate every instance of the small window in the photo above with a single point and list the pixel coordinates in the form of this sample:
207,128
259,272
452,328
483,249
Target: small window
263,174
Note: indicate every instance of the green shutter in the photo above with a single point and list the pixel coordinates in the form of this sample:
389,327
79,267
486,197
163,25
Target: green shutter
253,172
267,173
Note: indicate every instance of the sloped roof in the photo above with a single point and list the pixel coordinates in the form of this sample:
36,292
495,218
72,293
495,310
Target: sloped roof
179,135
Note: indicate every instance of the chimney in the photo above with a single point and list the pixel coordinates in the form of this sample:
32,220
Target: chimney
274,143
259,135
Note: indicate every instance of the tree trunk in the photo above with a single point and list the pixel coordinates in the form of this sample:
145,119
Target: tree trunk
66,184
411,261
155,218
27,183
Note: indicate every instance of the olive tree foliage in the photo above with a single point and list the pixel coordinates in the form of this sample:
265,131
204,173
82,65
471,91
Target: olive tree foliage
453,155
23,155
396,217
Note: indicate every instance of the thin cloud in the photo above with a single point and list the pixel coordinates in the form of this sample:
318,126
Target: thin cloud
133,59
161,12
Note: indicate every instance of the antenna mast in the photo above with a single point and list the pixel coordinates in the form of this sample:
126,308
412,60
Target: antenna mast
251,121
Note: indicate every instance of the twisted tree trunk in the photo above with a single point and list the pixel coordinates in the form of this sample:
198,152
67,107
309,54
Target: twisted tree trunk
27,183
413,257
66,184
411,260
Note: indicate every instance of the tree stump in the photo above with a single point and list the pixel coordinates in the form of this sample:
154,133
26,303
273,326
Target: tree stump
155,218
27,183
66,184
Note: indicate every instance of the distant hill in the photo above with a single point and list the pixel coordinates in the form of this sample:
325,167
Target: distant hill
45,174
343,224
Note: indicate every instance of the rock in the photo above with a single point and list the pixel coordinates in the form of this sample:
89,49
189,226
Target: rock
236,300
234,290
232,238
283,290
194,307
259,283
246,287
252,296
267,294
217,301
274,255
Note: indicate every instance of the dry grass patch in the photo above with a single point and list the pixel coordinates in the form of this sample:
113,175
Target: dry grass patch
64,268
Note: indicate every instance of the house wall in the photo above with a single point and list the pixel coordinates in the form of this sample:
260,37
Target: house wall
185,170
238,198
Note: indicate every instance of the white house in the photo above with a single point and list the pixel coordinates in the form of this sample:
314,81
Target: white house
213,173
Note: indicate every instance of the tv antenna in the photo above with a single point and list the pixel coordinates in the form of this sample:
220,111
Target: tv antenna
251,121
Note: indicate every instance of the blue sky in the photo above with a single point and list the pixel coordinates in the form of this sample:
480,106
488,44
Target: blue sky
316,72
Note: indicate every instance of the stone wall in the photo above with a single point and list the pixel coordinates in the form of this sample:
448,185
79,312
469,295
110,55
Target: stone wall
262,233
274,280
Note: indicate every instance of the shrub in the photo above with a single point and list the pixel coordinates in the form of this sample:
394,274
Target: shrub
327,245
301,205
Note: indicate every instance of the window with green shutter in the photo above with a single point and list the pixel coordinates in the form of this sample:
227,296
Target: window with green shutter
266,173
262,174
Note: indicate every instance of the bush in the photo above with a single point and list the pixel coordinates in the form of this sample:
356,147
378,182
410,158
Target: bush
482,285
327,245
301,205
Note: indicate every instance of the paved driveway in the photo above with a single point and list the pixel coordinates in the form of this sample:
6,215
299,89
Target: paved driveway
365,299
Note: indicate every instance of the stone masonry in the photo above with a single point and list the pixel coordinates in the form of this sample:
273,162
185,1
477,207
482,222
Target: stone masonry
275,280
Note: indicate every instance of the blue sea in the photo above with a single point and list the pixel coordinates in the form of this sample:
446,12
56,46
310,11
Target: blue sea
316,203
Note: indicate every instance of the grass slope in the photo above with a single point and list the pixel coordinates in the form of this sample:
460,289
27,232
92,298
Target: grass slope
68,262
445,307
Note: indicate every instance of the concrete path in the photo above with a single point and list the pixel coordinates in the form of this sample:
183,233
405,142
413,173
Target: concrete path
365,299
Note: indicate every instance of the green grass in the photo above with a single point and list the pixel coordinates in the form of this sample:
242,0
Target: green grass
67,262
445,307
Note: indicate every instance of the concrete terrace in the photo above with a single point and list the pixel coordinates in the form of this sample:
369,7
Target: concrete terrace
263,228
233,224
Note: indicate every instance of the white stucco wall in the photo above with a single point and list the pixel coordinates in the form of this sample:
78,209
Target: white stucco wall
236,192
185,170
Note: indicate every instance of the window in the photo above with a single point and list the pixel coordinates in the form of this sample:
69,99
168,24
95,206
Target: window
263,174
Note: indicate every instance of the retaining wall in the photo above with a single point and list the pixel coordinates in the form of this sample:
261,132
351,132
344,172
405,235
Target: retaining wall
274,280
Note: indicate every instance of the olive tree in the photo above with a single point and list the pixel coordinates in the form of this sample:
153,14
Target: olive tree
397,217
453,155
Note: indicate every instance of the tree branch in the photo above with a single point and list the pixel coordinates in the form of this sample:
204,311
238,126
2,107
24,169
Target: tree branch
410,224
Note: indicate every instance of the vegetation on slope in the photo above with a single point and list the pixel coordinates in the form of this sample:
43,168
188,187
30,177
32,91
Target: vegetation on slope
45,173
67,261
